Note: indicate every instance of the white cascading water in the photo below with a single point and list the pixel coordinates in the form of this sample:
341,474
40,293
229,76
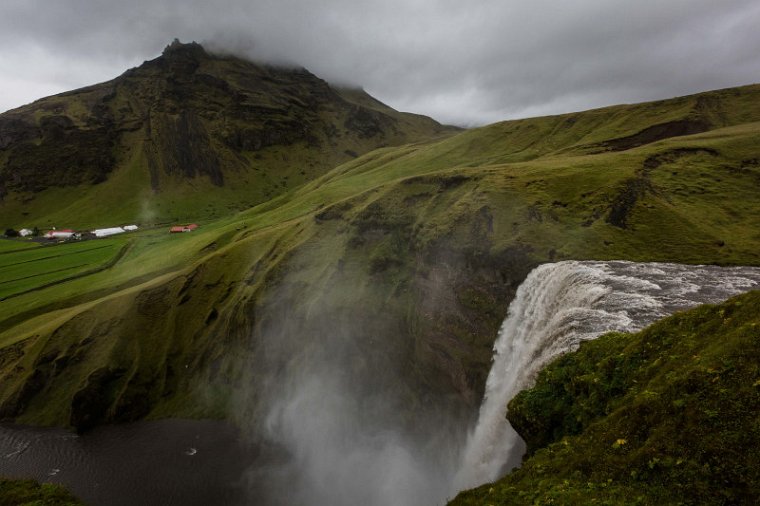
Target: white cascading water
558,306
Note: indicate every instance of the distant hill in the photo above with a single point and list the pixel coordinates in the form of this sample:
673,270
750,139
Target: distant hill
186,135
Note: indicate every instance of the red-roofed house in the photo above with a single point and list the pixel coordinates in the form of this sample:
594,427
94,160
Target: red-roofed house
183,228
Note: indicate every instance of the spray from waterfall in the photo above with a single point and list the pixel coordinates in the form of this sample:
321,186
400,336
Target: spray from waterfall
331,395
558,306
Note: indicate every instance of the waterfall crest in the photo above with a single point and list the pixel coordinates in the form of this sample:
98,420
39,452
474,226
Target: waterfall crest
558,306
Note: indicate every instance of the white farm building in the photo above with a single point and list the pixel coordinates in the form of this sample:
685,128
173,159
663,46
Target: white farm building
105,232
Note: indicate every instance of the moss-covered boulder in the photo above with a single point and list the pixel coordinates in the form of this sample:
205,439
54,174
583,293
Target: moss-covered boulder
33,493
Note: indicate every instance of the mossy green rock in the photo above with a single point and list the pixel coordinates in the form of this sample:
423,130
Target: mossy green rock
33,493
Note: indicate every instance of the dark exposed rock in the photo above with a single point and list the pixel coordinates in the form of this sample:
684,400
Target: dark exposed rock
444,182
633,189
187,149
65,157
13,131
367,122
333,212
90,405
656,133
55,127
17,402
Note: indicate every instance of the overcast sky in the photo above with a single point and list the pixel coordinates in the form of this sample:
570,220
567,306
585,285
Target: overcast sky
463,62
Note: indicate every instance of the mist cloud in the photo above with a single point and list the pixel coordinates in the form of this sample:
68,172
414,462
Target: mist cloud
332,401
461,62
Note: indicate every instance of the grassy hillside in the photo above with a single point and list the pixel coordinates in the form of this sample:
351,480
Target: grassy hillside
186,135
664,416
410,254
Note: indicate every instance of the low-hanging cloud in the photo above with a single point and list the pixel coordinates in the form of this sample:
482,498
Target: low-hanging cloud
460,62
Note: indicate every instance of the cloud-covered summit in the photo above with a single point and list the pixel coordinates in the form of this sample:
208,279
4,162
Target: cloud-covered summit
460,62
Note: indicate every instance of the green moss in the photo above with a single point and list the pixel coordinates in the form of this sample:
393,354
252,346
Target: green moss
32,493
664,416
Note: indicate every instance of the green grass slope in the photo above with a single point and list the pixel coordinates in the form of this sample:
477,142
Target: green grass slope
664,416
422,246
9,245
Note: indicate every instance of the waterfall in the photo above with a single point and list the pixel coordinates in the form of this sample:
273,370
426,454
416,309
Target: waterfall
558,306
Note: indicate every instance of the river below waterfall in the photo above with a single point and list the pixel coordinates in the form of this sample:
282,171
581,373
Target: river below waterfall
157,463
333,452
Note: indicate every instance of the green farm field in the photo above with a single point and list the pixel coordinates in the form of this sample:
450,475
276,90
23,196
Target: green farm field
26,269
9,245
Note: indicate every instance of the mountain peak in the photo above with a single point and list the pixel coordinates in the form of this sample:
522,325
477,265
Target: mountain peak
188,114
177,48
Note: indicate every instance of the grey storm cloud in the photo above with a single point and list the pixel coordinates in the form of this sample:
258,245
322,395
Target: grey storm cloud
461,62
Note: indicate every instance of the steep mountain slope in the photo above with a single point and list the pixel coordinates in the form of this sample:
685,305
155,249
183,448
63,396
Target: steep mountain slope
187,134
664,416
405,259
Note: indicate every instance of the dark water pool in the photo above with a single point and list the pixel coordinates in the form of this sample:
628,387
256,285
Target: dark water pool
161,463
